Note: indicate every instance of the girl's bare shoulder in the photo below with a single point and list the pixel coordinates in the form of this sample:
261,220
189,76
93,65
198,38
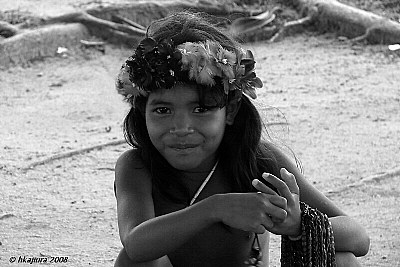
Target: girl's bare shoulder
130,158
130,171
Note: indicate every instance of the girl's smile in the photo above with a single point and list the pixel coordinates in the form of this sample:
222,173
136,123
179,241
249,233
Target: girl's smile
185,148
185,133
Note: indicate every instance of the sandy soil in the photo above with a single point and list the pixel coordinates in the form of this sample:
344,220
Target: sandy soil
341,103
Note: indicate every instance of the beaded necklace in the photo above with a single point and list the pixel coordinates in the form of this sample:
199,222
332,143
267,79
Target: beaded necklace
203,184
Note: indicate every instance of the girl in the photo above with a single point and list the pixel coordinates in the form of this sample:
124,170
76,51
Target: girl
200,187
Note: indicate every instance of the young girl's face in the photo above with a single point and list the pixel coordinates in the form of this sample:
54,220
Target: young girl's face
186,134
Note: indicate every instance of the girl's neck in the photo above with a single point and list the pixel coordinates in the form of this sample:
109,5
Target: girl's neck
200,173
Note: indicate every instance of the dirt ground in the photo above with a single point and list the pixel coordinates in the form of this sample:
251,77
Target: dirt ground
341,106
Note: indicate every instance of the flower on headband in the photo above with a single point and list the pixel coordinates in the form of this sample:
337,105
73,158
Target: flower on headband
160,65
153,64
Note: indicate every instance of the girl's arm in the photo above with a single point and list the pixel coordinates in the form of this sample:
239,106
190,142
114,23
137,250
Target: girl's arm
348,234
145,237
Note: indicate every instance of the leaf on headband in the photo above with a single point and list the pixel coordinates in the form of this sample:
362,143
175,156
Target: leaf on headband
250,91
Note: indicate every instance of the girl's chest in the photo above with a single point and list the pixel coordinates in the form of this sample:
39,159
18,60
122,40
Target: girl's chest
217,245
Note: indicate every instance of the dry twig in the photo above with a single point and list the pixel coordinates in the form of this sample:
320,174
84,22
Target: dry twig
71,153
92,21
373,178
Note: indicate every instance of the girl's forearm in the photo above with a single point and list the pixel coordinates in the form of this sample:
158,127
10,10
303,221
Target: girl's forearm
159,236
349,236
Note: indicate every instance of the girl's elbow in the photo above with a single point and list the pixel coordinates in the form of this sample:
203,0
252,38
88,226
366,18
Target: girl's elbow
124,260
364,244
132,252
135,258
361,245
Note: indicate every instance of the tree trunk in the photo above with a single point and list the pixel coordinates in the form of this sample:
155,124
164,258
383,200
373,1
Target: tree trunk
357,24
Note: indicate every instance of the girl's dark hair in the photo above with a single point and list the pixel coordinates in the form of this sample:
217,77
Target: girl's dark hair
241,154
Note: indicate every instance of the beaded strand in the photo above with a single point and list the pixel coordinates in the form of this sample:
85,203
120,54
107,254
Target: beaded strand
316,248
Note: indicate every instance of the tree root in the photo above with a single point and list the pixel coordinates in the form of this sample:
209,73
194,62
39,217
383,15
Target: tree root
247,25
92,21
373,178
71,154
350,22
292,24
120,19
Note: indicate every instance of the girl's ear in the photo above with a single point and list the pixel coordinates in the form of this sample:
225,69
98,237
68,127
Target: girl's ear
232,109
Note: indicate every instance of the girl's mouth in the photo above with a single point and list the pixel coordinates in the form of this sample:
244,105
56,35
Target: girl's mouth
183,146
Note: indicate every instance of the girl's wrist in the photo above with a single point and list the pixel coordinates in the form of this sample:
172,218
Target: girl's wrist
296,235
207,209
213,208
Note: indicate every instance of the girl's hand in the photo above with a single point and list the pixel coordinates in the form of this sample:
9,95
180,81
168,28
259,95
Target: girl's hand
251,212
289,190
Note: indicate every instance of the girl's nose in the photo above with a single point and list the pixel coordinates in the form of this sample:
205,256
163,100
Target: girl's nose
182,125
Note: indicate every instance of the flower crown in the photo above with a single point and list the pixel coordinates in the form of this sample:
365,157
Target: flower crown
156,65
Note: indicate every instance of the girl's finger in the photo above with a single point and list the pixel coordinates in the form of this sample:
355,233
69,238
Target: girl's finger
275,207
278,201
290,181
267,222
262,187
280,185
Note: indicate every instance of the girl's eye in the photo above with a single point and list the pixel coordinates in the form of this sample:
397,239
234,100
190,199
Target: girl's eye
200,109
162,110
